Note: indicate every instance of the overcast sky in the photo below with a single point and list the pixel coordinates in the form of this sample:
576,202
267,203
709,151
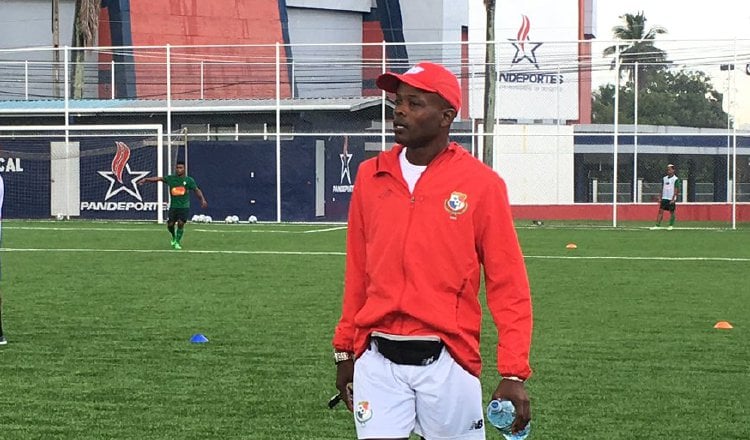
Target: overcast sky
723,29
683,20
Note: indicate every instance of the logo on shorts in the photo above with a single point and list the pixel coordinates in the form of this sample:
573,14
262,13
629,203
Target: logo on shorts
456,204
428,361
476,424
362,411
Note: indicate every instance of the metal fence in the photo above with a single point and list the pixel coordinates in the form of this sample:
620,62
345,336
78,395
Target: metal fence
547,124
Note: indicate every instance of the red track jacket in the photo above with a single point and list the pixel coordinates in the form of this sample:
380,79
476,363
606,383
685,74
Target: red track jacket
413,260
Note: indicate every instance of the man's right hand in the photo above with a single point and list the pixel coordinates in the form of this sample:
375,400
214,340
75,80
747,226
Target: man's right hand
344,380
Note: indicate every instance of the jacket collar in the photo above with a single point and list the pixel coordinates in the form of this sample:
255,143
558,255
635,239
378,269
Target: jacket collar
388,162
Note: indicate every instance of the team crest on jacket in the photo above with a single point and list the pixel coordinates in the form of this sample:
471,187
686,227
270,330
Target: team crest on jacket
456,203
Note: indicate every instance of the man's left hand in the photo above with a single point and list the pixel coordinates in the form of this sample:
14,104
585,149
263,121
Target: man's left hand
515,392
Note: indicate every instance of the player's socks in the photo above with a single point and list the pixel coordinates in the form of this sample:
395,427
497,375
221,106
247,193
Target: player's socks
178,235
671,220
171,230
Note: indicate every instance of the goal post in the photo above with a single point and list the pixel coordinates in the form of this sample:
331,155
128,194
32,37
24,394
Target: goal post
83,171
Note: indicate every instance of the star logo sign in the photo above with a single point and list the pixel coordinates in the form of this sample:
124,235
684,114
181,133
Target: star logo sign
346,157
121,178
525,50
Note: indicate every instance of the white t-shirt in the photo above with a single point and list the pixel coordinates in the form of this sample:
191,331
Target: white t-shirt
410,171
667,191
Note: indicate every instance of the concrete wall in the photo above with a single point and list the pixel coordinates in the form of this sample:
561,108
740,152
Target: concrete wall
434,20
26,24
326,71
536,162
215,22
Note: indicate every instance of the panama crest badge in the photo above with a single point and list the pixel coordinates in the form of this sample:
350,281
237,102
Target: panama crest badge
363,411
456,204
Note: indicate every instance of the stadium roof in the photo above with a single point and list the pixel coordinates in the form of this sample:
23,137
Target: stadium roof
87,106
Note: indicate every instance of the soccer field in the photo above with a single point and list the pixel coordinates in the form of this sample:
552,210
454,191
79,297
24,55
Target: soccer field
99,318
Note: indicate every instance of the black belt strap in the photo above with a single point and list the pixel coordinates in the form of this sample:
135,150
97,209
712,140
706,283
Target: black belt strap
409,352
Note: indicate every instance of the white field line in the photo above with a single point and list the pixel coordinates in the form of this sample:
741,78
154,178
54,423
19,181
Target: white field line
161,229
73,229
628,228
244,229
172,251
563,257
337,253
274,231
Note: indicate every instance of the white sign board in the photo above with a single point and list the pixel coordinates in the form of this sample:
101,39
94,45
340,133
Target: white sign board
537,60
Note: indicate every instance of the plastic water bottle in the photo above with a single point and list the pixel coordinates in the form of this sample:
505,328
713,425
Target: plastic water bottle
500,414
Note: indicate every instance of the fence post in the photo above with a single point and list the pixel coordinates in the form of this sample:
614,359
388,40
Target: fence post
595,190
684,194
112,79
201,79
278,131
639,191
383,97
26,78
168,56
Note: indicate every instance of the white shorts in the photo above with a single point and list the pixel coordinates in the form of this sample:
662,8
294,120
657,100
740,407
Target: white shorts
437,401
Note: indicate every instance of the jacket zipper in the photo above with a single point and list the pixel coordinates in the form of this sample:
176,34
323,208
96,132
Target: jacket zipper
412,207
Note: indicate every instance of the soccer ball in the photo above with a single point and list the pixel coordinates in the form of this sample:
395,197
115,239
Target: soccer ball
60,217
208,219
231,219
252,219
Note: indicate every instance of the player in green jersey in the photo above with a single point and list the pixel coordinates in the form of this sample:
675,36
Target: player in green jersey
179,207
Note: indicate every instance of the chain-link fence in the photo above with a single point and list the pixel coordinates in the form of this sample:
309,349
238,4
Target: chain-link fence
570,124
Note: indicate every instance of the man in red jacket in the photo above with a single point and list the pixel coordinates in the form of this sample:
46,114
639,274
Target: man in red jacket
424,218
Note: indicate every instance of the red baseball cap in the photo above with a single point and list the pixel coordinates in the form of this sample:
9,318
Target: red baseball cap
426,76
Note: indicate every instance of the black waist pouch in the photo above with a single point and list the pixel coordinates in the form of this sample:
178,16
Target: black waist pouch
409,352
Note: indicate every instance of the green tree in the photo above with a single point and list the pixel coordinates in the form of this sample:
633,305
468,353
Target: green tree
684,98
637,47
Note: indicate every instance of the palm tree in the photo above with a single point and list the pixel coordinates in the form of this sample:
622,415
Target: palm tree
85,29
638,46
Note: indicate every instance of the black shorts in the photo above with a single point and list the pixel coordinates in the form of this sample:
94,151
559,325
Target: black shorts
178,215
667,205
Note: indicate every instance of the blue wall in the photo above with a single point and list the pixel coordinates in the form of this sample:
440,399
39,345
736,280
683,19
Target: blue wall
237,178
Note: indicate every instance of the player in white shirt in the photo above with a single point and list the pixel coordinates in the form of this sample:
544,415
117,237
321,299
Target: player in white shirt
670,191
2,195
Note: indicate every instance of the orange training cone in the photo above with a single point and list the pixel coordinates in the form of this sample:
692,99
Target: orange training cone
571,246
723,325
